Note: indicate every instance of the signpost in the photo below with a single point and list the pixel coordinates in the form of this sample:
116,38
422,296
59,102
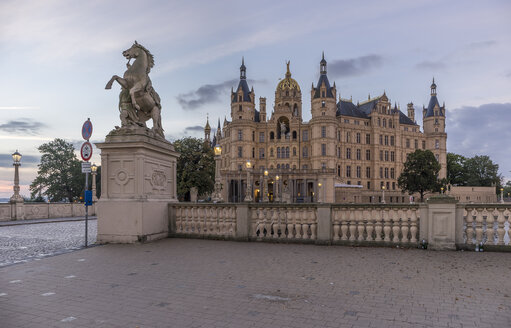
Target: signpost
86,153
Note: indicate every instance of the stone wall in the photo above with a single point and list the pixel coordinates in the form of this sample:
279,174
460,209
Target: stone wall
27,211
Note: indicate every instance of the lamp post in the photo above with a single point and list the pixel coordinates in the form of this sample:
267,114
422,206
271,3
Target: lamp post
502,195
94,171
277,198
16,198
248,194
217,194
264,188
441,190
320,193
383,194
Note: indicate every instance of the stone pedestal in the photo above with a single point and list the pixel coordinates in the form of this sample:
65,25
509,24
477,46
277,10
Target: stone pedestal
138,181
439,229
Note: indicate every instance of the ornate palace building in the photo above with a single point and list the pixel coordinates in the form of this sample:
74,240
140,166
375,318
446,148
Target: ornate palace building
347,152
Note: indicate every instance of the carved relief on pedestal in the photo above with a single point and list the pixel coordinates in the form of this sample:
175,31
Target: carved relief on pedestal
158,180
122,174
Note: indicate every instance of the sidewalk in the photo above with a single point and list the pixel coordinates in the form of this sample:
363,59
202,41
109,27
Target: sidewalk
50,220
207,283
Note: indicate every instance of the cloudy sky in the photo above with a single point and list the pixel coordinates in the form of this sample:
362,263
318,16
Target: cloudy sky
58,55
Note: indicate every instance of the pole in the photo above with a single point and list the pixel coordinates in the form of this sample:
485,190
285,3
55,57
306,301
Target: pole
86,209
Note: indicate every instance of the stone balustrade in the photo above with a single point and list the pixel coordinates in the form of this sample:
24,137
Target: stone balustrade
396,224
27,211
283,222
487,224
205,220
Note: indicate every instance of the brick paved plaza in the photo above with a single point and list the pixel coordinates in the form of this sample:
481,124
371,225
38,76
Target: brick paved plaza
203,283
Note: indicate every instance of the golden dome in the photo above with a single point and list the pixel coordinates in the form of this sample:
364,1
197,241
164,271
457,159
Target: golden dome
288,83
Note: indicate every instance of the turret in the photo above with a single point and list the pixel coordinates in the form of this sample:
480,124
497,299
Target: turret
243,99
323,95
411,111
207,133
262,109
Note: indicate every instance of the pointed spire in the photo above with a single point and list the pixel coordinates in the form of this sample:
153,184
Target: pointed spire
384,93
368,96
433,87
322,64
218,128
243,69
288,72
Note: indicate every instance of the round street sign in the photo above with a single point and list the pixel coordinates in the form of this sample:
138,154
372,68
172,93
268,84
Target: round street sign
86,151
87,129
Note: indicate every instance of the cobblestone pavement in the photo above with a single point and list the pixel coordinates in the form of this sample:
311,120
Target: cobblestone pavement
26,242
205,283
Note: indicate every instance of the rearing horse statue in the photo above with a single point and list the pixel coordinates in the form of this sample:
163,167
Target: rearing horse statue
138,100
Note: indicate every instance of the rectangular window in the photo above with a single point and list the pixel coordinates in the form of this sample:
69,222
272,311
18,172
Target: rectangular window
348,171
358,137
323,149
368,139
240,152
386,173
392,156
261,136
348,137
368,154
338,152
305,135
407,143
305,152
381,155
416,144
369,185
392,140
386,140
368,172
437,144
305,167
359,172
381,139
338,170
392,173
359,154
386,156
240,135
348,153
253,135
423,144
381,172
323,132
323,166
261,152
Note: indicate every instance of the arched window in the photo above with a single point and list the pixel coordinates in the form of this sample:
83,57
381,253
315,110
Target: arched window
294,134
379,122
272,135
294,151
323,104
287,152
278,152
287,166
278,166
384,123
271,152
287,93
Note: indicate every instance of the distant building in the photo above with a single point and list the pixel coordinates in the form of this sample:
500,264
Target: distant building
467,194
347,152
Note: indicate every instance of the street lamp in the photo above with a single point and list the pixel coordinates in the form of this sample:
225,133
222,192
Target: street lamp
502,195
442,190
16,198
217,194
277,199
264,188
248,194
319,192
383,194
94,171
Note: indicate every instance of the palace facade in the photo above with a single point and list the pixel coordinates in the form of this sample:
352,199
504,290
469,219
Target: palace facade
347,152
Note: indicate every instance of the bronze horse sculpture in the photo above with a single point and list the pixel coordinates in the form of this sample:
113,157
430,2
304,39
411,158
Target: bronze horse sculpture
138,101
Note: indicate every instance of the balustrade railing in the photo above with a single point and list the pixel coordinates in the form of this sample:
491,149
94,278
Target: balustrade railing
206,220
489,225
397,225
283,222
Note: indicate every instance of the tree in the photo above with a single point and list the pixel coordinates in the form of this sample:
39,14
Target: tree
481,171
195,167
59,175
420,173
456,173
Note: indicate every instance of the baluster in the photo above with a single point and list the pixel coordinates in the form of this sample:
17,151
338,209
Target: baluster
360,224
313,224
232,216
200,223
305,226
386,225
179,214
501,220
289,221
395,226
479,226
404,225
344,224
470,226
336,225
256,222
274,220
187,219
413,226
369,225
378,228
353,224
490,231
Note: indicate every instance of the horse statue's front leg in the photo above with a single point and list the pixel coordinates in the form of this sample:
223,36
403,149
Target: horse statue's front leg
119,80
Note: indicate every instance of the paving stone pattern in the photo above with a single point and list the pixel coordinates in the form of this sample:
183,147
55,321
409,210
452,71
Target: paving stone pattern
206,283
26,242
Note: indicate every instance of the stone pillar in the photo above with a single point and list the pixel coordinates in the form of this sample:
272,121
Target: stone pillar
242,222
441,223
138,181
324,235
